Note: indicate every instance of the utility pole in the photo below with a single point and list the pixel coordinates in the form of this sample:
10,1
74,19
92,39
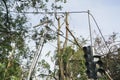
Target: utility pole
60,61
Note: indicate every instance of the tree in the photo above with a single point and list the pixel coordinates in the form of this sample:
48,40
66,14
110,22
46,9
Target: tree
110,54
14,34
70,61
12,44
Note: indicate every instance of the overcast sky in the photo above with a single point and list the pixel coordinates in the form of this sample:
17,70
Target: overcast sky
106,13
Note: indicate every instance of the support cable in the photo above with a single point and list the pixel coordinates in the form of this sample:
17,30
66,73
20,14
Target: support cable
99,31
103,40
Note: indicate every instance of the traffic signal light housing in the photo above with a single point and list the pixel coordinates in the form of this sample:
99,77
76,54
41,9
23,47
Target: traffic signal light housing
90,65
99,70
93,63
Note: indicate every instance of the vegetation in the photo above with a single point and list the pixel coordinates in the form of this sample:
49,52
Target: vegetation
16,33
111,59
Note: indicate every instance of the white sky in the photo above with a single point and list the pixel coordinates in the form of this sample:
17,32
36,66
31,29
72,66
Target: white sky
106,12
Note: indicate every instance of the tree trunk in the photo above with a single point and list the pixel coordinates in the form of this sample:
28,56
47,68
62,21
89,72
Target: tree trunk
61,71
64,46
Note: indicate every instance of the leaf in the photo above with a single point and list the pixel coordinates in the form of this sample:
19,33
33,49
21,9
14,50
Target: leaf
46,0
2,67
65,1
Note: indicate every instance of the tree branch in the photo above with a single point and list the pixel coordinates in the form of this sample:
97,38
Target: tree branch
7,12
79,45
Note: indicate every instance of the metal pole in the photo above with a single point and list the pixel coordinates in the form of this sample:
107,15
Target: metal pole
90,32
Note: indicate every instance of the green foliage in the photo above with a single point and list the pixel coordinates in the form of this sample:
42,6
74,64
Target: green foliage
14,33
75,60
12,43
45,64
112,63
67,54
111,59
79,65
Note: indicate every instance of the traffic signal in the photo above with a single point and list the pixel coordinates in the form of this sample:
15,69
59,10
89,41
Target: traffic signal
99,70
93,64
90,65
